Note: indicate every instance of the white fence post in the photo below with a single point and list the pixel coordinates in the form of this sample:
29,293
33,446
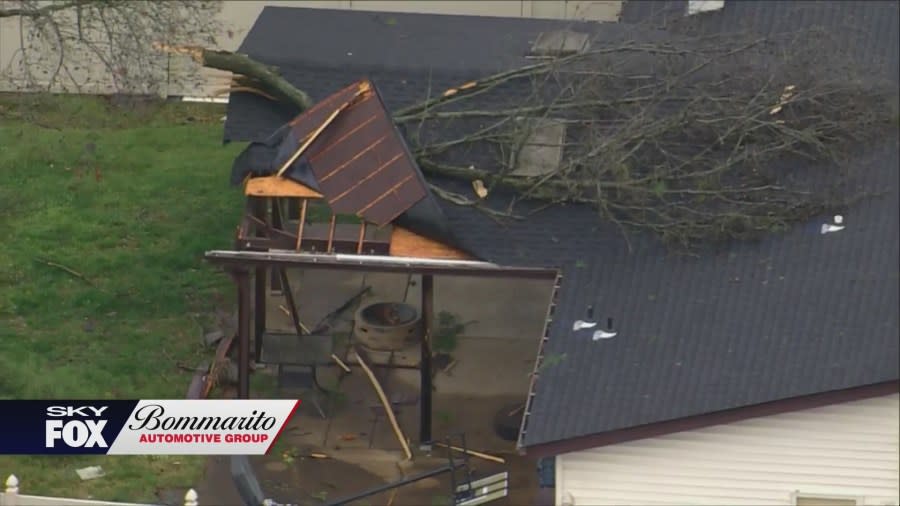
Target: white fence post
11,491
190,499
9,496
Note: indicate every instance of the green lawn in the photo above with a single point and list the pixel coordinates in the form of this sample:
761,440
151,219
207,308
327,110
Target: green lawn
129,198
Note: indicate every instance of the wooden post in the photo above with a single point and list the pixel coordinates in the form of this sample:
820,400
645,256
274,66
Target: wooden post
289,298
190,498
362,237
331,233
425,366
277,216
242,277
259,278
302,223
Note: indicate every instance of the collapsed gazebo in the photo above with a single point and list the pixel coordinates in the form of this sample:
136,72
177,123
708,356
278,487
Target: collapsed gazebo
339,190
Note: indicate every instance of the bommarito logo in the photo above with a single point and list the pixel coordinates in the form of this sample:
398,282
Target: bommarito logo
153,417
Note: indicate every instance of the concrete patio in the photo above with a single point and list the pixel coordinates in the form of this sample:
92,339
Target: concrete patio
494,357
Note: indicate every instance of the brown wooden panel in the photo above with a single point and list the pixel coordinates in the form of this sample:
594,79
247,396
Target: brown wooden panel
394,201
357,145
408,244
275,186
366,174
312,118
360,161
331,150
326,163
352,168
378,186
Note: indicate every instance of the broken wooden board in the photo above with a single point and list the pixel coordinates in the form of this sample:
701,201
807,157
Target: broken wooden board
218,363
408,244
274,186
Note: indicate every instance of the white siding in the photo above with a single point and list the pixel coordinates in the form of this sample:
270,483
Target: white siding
848,449
238,16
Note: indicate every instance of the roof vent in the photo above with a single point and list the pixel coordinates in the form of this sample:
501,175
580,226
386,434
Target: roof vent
542,149
559,43
698,6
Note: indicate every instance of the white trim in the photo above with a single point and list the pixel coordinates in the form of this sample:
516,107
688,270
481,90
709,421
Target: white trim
343,258
206,100
340,257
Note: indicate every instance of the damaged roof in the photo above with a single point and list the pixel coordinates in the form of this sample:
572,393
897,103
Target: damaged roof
347,148
798,313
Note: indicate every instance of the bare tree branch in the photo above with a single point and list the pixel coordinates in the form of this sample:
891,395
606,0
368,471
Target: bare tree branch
29,11
64,43
691,139
265,77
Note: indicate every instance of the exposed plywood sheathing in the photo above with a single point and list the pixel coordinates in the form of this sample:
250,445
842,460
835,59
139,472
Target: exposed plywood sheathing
274,186
360,162
542,151
560,43
407,244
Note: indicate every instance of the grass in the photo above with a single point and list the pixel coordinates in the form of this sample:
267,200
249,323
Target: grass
129,199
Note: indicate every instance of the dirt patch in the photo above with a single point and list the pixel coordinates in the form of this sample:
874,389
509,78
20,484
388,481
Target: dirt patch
311,481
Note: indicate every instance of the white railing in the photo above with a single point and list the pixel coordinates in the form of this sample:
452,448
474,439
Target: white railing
11,497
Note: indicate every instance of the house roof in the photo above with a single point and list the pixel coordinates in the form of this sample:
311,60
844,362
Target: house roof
795,314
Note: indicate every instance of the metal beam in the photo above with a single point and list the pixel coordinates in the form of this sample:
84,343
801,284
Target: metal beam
425,377
242,277
260,211
377,490
372,263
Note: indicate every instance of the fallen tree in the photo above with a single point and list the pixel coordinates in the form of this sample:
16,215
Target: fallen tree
692,139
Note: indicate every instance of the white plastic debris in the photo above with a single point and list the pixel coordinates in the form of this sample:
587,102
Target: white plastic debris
837,226
603,334
581,324
90,473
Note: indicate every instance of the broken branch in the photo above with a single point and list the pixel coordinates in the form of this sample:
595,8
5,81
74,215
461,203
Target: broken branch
65,269
387,405
242,64
473,453
340,363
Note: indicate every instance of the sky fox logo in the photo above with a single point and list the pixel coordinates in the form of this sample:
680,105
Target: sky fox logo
76,433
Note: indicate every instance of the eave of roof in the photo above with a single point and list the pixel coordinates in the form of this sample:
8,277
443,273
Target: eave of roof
553,448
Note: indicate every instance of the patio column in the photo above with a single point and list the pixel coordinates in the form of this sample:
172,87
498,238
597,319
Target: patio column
242,279
425,366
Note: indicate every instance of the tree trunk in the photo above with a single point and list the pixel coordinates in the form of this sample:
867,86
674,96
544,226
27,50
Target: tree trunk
264,76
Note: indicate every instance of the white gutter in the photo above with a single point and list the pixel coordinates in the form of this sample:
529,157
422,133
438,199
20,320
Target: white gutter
369,259
206,100
381,259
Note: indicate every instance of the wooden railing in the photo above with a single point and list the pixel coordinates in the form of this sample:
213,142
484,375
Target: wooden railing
11,497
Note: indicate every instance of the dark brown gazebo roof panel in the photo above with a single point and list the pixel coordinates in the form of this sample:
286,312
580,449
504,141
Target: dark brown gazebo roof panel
359,160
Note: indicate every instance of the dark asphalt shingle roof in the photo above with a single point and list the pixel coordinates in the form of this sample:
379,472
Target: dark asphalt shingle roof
795,314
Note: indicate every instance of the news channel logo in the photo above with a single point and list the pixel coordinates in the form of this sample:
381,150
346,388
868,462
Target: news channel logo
143,427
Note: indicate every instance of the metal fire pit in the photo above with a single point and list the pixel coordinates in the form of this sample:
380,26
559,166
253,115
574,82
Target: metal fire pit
386,326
